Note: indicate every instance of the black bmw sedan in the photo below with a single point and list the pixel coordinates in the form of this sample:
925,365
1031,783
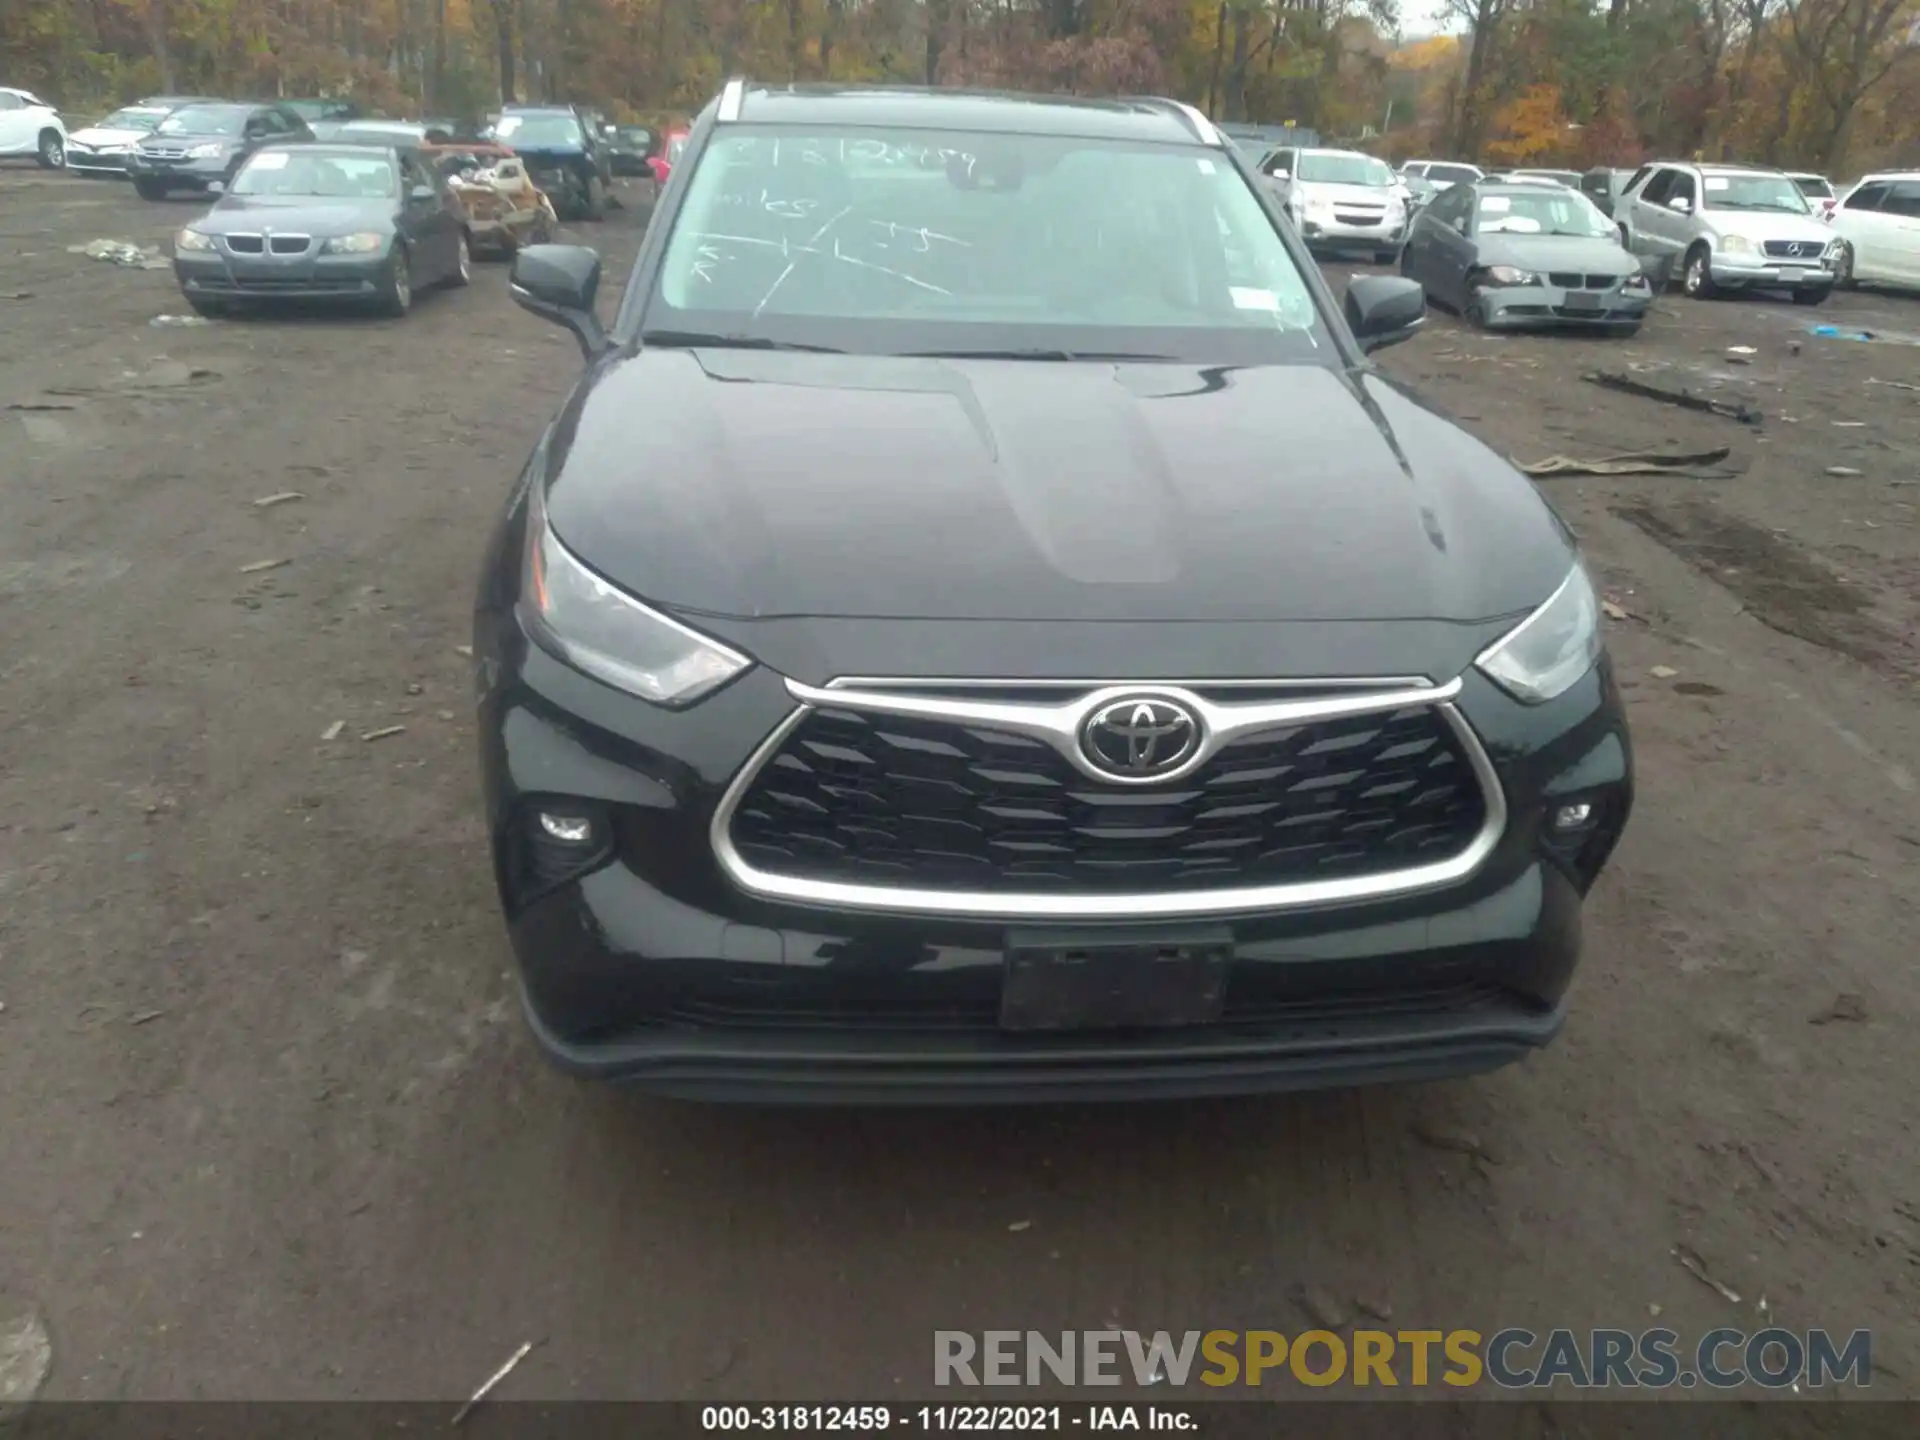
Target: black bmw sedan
365,225
981,630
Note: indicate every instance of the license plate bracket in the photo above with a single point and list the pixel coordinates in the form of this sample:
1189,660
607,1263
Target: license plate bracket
1063,981
1586,303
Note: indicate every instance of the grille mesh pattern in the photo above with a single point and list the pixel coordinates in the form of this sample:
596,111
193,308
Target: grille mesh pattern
1574,280
883,800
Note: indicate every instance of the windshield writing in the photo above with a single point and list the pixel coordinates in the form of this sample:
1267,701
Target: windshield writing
1545,213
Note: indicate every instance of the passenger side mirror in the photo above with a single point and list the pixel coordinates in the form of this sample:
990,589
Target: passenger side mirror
1383,310
559,283
1681,205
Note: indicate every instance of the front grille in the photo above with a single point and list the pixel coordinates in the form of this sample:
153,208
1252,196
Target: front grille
245,244
296,282
1795,249
289,244
1574,280
164,152
930,803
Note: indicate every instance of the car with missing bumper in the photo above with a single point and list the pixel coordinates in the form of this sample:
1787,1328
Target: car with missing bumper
1521,256
988,633
1727,229
564,154
201,147
321,222
504,209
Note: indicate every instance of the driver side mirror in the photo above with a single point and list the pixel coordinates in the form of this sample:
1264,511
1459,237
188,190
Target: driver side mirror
1681,205
1383,310
559,283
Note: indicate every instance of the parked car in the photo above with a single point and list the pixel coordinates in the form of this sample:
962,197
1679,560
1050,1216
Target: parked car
564,154
30,126
1517,256
199,147
662,161
1442,173
1078,732
1878,225
627,149
1419,190
1729,228
1340,199
1604,186
323,109
363,225
1569,178
1817,189
102,149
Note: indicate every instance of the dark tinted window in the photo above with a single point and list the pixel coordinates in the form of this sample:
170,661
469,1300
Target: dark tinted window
1683,188
1866,197
1902,199
1634,179
1453,174
1659,188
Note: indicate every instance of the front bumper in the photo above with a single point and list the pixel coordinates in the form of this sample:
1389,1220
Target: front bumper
215,276
97,162
1745,272
1333,231
1515,307
641,961
178,174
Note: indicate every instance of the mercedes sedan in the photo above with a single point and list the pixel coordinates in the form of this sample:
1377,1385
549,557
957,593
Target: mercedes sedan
981,629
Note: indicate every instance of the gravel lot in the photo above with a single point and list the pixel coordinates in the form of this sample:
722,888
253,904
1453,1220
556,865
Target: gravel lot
270,1125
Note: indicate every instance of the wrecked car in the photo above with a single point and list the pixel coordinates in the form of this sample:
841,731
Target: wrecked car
565,157
505,209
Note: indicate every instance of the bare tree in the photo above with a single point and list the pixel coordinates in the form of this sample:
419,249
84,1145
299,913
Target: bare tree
1844,50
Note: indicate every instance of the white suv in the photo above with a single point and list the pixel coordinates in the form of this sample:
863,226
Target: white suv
29,126
1878,222
1340,199
1728,228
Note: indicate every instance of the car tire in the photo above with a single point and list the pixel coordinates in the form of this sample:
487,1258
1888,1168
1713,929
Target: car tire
1843,267
1812,297
1475,314
396,293
52,151
149,189
1696,275
462,265
593,205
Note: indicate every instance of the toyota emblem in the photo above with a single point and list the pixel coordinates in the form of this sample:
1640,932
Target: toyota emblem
1140,737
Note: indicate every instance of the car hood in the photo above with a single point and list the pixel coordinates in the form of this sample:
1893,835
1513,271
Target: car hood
1761,225
96,135
756,484
183,137
288,214
1595,255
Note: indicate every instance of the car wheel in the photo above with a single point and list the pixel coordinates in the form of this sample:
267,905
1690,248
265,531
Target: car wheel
396,296
1697,278
593,204
53,151
1475,314
149,189
1843,267
462,264
1812,297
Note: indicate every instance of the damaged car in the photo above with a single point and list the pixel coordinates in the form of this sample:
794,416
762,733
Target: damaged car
504,208
1517,255
565,157
102,149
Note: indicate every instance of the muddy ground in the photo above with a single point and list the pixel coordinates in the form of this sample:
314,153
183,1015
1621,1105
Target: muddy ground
271,1127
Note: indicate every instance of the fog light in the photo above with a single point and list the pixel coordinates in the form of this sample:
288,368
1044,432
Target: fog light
1567,817
571,829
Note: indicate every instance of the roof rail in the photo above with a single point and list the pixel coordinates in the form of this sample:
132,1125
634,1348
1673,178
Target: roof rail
1201,127
731,96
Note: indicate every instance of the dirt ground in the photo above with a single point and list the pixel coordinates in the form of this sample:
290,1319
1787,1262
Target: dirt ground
269,1123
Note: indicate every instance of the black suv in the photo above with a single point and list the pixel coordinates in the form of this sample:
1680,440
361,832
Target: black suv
204,143
565,154
982,629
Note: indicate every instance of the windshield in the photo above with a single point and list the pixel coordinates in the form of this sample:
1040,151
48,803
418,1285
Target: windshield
1541,212
1559,177
1754,192
1813,187
132,119
1452,174
338,175
204,120
537,130
948,242
1344,170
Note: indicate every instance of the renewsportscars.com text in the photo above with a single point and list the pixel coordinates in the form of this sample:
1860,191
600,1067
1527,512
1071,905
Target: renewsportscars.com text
1511,1359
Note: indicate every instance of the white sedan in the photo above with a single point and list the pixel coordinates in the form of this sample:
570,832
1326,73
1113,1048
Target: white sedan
1878,222
102,149
29,126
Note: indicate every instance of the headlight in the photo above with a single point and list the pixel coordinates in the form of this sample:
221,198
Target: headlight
1508,275
1545,653
192,240
211,151
1635,284
1736,245
1319,205
364,242
605,632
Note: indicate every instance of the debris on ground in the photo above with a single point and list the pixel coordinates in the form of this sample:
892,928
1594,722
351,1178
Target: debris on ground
1019,1225
16,295
1741,354
145,1016
1844,471
1673,395
1322,1306
122,252
1633,463
1663,672
177,322
1893,384
465,650
1461,1142
26,1355
384,733
1614,610
486,1389
1697,1268
41,405
332,732
1696,687
1850,424
267,502
259,565
1846,1006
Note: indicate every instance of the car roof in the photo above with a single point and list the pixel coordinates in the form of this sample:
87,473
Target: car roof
1889,175
331,147
1728,169
996,111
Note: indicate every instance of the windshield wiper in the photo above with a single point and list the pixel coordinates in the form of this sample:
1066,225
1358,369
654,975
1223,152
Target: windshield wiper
1038,353
695,339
